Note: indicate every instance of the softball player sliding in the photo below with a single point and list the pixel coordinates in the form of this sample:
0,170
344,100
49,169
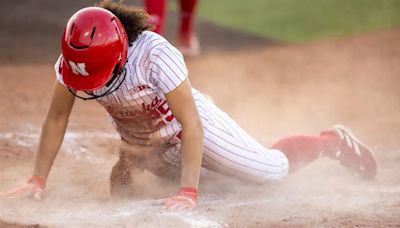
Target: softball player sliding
166,126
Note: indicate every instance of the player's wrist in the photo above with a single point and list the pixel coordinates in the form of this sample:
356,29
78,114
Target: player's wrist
37,180
189,192
189,189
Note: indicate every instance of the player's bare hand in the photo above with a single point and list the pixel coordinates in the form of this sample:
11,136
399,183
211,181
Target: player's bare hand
34,186
184,200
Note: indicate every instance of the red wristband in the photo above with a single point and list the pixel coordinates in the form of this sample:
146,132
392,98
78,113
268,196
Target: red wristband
189,192
37,180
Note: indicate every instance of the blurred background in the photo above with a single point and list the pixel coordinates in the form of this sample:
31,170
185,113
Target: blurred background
31,29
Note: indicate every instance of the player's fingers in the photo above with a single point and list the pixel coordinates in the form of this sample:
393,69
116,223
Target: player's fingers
17,191
167,203
182,208
186,207
172,207
8,194
177,206
2,194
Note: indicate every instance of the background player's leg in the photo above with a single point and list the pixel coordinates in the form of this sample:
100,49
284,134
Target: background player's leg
156,9
188,43
301,149
187,15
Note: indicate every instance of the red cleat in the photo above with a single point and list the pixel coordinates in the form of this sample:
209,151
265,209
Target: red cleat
352,153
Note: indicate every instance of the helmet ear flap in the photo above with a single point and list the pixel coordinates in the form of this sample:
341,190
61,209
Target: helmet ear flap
115,73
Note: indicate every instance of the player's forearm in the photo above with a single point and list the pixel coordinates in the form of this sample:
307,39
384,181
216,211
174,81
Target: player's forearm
192,152
50,141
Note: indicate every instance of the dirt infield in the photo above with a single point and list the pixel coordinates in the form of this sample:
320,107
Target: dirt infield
271,90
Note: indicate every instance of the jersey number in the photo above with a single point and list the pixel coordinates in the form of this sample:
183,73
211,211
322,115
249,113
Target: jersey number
78,68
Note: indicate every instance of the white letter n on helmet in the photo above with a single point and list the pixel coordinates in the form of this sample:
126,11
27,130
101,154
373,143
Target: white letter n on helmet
78,68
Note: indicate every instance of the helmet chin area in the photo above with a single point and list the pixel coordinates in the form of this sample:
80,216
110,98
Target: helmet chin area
111,86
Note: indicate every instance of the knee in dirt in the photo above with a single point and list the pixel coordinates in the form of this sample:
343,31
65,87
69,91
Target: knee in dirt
121,181
122,175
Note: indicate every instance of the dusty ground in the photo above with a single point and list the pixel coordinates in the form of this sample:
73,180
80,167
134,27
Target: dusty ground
271,90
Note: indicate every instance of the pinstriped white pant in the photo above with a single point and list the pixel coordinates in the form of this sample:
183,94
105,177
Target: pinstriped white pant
229,150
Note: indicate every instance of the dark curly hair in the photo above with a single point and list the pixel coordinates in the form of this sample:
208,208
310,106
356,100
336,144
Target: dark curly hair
135,20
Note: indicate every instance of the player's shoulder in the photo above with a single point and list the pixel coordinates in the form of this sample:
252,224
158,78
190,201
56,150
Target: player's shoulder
153,36
146,46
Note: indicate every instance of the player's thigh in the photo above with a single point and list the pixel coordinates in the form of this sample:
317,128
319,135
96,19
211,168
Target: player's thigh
228,149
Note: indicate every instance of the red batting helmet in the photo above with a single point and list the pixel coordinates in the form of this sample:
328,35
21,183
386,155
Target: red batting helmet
94,47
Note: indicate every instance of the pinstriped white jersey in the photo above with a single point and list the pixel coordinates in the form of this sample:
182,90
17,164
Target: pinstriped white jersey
138,109
140,113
